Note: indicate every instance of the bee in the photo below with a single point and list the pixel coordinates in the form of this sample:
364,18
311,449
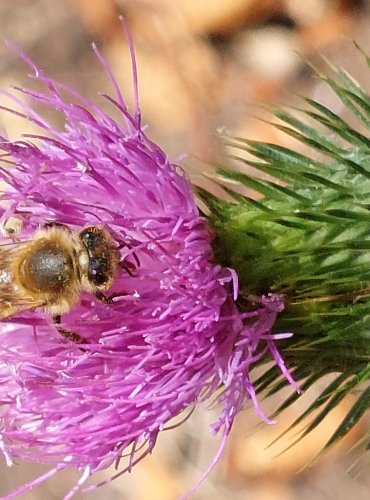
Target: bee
51,270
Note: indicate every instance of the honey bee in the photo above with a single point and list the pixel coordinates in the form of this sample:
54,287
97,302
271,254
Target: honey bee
50,271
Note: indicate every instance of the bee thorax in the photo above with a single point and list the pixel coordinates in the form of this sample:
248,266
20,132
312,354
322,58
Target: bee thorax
48,269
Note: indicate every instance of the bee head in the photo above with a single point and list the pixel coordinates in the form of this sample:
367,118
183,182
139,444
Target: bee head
103,257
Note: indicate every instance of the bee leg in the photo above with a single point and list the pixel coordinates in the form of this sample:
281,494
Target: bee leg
103,298
107,299
68,334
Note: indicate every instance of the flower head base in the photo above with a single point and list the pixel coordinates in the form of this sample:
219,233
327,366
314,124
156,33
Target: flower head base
172,337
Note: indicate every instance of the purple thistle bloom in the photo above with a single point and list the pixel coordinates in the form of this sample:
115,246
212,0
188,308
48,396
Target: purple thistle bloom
173,337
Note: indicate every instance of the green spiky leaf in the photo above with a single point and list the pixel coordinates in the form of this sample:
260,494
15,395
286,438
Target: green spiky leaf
308,238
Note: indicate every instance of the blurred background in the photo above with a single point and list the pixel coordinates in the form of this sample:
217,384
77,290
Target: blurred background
203,67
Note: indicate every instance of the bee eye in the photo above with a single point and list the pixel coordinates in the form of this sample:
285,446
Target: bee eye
98,270
94,266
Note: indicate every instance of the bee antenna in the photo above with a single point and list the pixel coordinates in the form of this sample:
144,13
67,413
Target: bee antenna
123,265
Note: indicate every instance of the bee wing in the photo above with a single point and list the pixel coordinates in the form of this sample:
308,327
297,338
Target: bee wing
12,299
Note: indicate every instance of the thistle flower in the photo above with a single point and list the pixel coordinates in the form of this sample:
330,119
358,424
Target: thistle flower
173,336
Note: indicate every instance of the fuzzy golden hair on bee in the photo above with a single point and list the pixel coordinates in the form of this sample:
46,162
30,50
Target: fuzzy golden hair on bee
52,269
